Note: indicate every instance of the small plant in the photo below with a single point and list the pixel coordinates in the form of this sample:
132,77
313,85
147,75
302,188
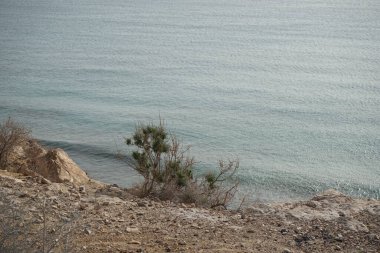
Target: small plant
12,134
168,171
160,159
220,187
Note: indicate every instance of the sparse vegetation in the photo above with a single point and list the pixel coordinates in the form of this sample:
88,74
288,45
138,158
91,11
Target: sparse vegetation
168,171
12,134
160,159
221,186
37,231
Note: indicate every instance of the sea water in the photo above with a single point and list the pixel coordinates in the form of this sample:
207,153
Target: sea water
291,88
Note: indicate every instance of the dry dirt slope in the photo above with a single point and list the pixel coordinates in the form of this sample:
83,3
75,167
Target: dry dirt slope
94,217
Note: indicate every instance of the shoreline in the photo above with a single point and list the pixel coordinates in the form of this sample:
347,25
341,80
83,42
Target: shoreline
107,218
122,174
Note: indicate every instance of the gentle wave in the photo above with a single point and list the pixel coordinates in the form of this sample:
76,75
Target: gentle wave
291,88
89,150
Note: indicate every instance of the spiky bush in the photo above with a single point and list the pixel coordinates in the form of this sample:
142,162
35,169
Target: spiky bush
160,159
168,171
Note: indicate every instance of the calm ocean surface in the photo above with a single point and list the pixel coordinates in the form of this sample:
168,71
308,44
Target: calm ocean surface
290,87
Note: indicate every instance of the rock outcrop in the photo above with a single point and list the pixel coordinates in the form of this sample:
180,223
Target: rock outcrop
105,218
58,167
54,164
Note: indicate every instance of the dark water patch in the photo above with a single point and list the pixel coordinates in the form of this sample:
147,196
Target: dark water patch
88,150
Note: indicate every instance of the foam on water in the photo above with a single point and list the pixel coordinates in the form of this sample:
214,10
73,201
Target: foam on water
290,87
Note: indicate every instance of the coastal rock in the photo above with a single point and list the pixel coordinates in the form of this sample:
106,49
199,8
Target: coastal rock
58,167
52,165
329,205
106,218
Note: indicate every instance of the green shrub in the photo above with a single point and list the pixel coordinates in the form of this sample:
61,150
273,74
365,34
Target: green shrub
168,171
160,159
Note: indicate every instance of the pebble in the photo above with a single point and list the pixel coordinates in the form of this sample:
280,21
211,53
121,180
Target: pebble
284,231
142,204
88,231
82,189
311,204
339,238
182,243
132,230
24,195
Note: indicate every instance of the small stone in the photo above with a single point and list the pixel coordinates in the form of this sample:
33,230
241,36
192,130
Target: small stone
45,181
88,231
339,238
132,230
286,251
142,204
311,204
338,248
182,243
24,195
135,242
82,189
82,206
284,231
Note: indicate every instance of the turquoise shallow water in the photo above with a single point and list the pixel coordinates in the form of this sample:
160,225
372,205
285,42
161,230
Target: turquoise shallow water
290,87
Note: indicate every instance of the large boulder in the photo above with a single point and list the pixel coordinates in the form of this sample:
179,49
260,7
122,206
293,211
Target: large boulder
54,164
58,167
